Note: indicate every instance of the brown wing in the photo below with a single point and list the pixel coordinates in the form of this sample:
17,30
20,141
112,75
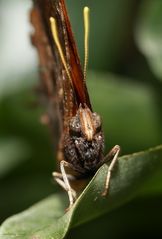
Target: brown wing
49,68
76,71
54,83
53,75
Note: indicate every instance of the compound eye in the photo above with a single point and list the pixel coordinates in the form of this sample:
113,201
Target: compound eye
75,128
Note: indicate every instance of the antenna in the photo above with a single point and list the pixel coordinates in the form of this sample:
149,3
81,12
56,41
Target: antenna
86,38
58,44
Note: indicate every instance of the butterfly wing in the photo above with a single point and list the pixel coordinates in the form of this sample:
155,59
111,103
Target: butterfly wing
76,70
60,97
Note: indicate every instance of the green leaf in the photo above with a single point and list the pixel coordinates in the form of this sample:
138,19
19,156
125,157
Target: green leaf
149,34
46,220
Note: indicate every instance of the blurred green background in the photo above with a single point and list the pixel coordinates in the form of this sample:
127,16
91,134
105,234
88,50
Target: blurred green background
125,85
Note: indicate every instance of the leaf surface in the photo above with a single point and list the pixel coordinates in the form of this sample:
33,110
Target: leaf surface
48,220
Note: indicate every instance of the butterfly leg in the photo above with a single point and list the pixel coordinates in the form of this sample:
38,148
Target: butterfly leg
113,156
65,182
59,179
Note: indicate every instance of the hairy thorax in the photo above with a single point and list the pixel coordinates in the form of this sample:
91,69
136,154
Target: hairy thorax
84,142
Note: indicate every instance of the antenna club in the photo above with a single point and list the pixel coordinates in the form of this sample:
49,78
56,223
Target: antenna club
86,9
58,45
52,19
86,38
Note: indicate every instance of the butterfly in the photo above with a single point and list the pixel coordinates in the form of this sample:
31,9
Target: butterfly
80,150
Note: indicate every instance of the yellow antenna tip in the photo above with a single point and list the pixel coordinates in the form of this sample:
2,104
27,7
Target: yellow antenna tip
58,45
86,9
53,25
86,38
52,19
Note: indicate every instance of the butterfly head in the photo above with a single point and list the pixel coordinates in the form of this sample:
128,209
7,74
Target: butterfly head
85,123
